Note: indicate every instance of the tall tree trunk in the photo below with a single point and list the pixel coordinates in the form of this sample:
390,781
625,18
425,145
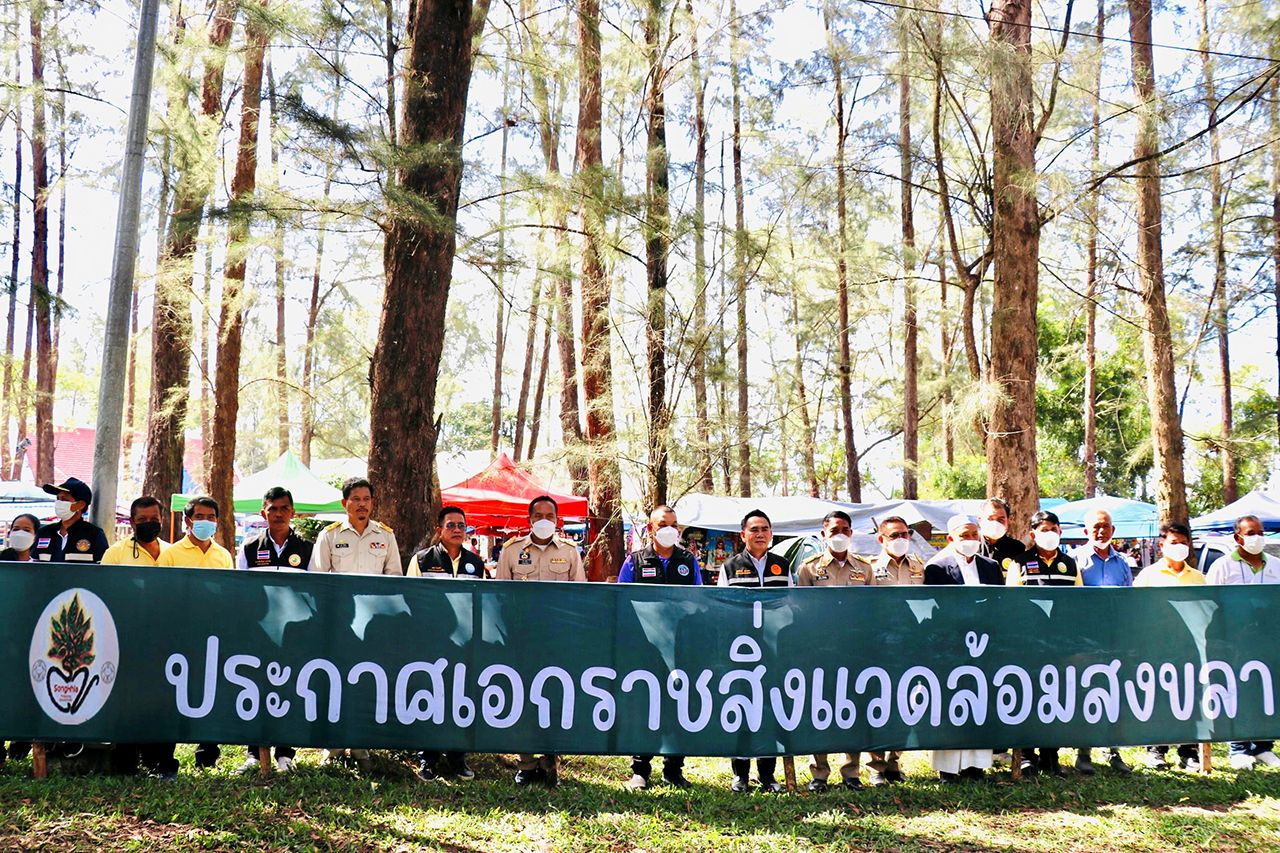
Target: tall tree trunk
1166,427
743,437
418,259
605,481
390,48
536,420
308,430
1011,439
11,466
948,344
171,318
24,386
1221,305
40,255
701,332
500,331
1275,221
60,113
204,361
844,367
910,378
1092,212
657,247
226,412
281,395
526,374
808,442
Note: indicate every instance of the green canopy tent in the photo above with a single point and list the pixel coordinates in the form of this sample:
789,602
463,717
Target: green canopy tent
310,493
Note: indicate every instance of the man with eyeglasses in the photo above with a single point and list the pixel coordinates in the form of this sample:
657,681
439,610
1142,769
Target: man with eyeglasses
446,560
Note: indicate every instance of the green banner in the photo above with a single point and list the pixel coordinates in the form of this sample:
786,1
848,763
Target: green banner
96,653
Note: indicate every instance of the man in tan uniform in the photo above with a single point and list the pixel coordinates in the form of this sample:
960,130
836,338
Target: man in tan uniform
835,566
359,545
895,565
540,556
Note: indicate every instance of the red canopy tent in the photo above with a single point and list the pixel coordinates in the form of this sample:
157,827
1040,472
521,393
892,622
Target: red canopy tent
498,497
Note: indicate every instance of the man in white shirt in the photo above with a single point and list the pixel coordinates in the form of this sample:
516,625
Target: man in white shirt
1249,563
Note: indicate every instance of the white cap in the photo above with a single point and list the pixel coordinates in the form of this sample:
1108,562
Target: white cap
956,522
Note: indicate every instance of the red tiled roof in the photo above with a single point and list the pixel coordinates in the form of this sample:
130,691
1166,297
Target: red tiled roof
73,453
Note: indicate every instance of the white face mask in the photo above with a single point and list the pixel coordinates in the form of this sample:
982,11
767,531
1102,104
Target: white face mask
21,540
667,537
62,509
992,529
1047,540
967,547
1102,544
543,528
898,547
1253,544
1176,552
838,543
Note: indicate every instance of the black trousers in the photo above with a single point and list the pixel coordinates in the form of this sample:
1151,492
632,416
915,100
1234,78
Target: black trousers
452,758
642,765
764,767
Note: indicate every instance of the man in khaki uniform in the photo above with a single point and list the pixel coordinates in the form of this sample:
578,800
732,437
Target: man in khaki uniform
359,545
540,556
895,565
835,566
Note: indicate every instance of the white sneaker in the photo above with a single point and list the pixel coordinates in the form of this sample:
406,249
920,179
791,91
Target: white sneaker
1244,762
250,766
284,764
1267,759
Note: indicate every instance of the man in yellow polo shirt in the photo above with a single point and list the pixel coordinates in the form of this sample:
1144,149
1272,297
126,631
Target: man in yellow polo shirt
197,550
1172,570
144,546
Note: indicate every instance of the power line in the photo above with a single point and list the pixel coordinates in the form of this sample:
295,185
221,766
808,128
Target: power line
1078,33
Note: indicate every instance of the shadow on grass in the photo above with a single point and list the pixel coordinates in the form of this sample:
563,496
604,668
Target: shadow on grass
334,808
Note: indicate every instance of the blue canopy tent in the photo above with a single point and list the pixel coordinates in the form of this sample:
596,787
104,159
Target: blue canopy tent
1132,519
1266,507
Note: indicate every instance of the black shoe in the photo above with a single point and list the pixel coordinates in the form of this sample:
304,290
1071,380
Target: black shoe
462,771
1029,768
528,777
853,783
676,780
427,772
894,776
949,778
551,778
769,786
1054,769
740,785
819,786
1118,764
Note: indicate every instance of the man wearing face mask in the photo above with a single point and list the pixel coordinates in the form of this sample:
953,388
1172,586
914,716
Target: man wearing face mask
895,565
196,550
1172,570
960,564
70,539
994,541
1044,564
144,546
540,555
835,566
1249,563
664,562
1101,565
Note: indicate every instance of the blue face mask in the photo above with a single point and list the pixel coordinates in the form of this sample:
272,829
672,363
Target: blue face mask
204,530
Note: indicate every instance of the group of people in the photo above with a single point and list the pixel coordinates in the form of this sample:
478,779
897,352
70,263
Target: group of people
980,551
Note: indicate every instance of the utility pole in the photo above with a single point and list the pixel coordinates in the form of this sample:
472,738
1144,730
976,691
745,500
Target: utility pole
115,345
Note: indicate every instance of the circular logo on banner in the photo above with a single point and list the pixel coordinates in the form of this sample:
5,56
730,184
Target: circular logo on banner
74,656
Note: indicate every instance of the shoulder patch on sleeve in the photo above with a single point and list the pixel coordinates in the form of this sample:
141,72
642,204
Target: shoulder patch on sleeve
334,526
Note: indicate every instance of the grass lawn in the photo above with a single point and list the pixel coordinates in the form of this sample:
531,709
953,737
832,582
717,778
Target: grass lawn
327,808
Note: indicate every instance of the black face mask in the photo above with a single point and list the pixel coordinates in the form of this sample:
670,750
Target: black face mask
147,531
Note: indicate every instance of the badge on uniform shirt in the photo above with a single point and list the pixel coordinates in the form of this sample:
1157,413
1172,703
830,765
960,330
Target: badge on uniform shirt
1033,567
648,572
264,555
525,558
295,560
341,545
377,546
775,570
683,570
469,569
558,560
822,575
43,543
83,545
1062,567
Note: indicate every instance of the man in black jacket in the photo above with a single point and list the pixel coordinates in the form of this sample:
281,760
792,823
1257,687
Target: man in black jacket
446,560
664,562
70,539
